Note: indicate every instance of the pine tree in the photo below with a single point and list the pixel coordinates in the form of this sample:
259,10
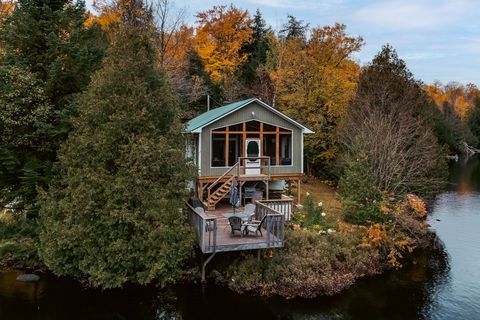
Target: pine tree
256,49
47,58
113,215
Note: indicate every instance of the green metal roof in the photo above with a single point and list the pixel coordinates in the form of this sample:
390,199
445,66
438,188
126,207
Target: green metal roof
209,116
197,123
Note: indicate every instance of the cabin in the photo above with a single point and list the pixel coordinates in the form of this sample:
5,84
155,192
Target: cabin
247,140
259,150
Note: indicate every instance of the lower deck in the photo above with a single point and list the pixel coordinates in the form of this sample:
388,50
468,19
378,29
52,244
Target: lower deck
228,241
215,234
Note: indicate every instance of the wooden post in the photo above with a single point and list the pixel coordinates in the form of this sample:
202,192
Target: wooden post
200,191
277,147
227,145
289,187
267,191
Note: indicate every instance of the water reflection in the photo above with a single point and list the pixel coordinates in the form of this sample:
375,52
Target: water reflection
433,285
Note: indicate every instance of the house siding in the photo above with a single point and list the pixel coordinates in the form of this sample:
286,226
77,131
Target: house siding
245,114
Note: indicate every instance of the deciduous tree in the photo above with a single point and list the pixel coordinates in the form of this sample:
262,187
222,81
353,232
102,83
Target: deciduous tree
220,36
387,125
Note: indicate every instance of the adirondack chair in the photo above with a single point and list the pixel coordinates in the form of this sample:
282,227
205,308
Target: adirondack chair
249,212
236,224
254,226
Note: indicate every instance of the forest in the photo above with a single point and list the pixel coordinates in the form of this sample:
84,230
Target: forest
92,106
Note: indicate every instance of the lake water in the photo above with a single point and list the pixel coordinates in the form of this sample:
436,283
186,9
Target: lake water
442,283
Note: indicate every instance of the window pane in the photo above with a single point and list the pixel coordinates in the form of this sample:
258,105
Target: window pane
269,148
236,127
285,149
219,129
234,148
218,150
269,128
253,126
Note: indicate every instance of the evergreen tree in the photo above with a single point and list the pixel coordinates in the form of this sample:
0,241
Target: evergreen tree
256,49
294,29
48,56
113,215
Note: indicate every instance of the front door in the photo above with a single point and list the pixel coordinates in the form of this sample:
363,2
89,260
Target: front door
252,151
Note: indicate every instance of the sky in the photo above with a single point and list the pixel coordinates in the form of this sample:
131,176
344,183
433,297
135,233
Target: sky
438,39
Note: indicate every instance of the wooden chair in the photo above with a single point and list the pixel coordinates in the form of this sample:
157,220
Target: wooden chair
249,212
235,223
253,226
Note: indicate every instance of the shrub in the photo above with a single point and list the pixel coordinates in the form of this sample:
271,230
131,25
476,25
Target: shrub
360,203
308,266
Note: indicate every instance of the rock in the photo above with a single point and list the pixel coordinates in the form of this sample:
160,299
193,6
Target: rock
28,277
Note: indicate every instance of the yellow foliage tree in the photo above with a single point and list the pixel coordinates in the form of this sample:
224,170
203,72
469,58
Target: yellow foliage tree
314,81
221,33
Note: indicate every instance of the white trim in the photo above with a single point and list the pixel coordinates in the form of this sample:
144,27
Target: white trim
304,129
301,156
199,154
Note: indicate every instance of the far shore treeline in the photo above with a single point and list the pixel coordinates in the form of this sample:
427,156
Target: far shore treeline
92,166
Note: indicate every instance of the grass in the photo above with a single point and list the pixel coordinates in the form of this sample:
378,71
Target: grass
320,191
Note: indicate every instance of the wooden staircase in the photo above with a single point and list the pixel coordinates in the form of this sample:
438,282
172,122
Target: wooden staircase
218,195
214,196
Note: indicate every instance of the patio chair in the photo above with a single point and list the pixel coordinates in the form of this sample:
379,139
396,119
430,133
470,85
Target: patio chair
249,212
253,226
236,224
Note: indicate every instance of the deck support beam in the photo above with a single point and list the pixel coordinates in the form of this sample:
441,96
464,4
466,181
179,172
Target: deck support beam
204,266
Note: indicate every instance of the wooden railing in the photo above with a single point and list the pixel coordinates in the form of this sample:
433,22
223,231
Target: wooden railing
205,228
284,206
264,165
274,224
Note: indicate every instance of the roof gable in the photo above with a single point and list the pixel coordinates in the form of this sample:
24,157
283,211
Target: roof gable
196,124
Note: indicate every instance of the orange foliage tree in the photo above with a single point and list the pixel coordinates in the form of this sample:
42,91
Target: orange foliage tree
220,35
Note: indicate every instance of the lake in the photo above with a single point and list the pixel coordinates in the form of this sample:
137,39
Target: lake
439,283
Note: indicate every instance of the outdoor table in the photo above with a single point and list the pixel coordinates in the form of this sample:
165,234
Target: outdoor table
242,216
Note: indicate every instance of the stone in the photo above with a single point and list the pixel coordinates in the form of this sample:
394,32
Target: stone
28,277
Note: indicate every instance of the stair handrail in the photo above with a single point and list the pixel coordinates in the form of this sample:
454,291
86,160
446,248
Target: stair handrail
210,187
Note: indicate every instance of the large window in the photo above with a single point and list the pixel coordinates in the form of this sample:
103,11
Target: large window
228,143
218,150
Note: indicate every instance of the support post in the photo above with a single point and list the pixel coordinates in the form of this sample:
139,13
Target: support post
267,187
204,265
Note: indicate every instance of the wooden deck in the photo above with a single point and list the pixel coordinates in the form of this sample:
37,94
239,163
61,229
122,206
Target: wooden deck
226,241
214,233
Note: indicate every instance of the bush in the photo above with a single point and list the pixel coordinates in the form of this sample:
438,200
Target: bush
308,266
18,236
361,198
